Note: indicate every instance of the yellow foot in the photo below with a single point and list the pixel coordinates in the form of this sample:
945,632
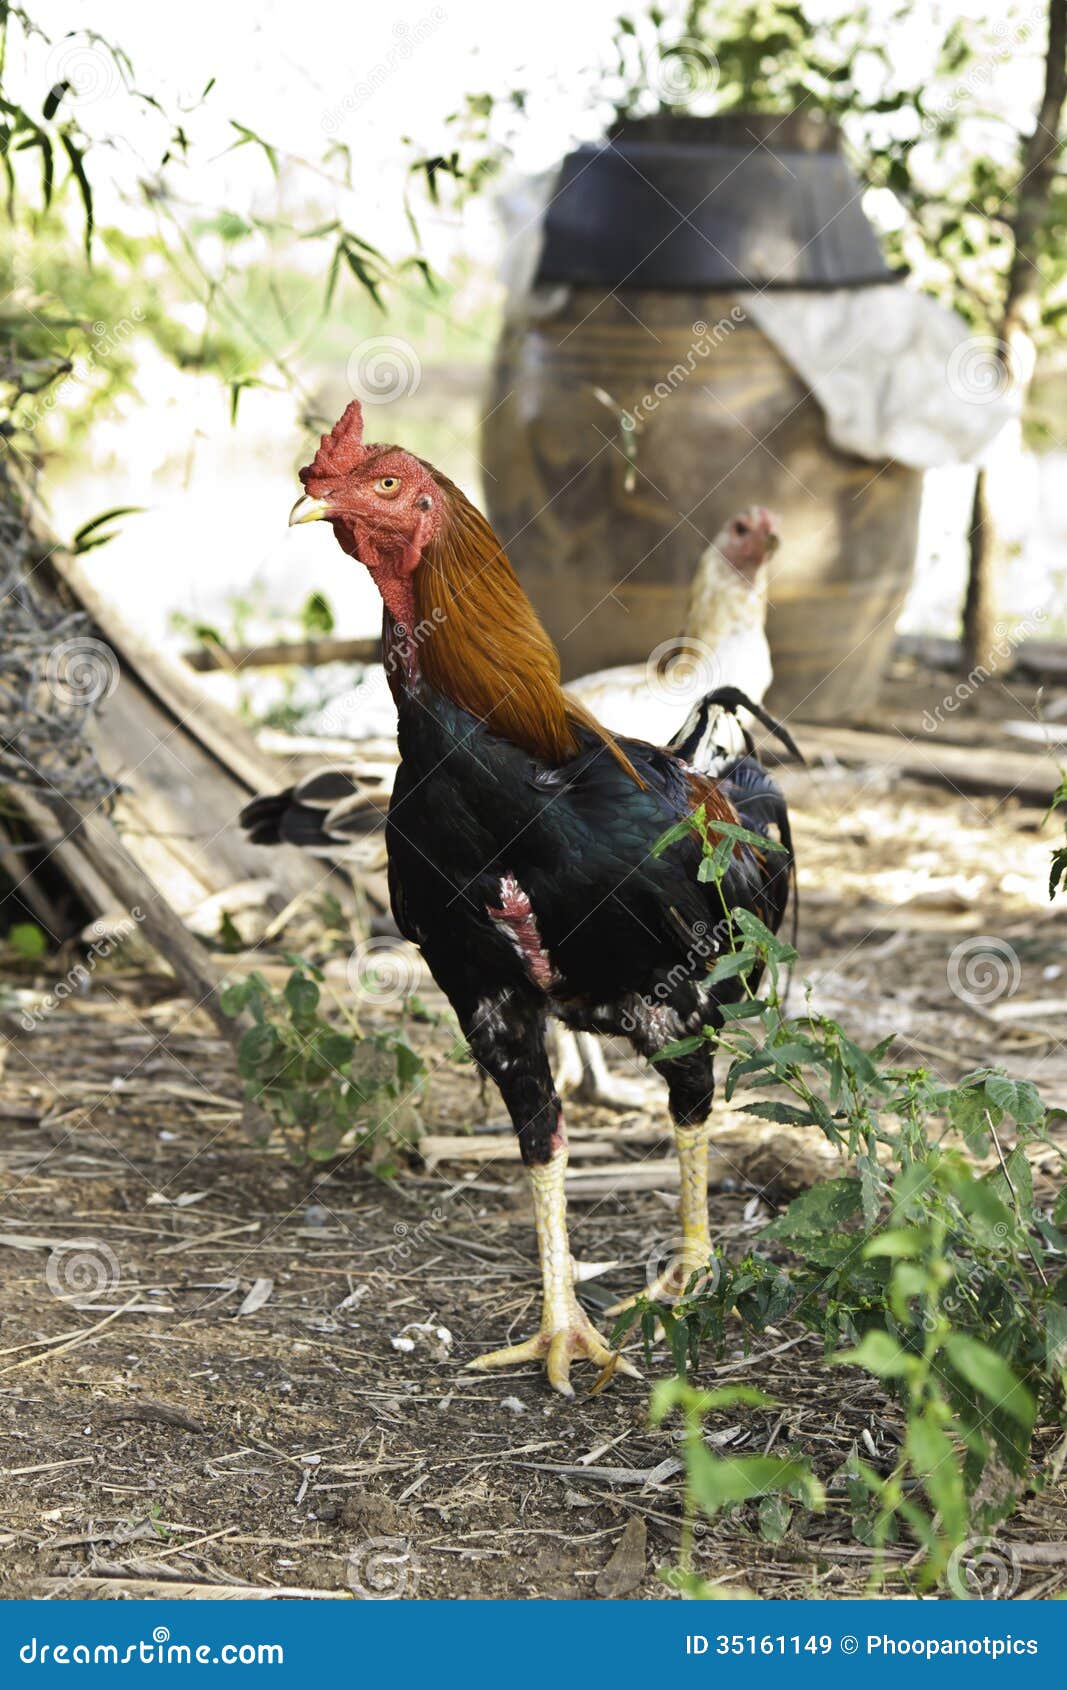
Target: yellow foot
557,1345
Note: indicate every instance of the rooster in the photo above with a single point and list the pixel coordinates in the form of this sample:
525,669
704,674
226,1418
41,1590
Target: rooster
521,841
724,644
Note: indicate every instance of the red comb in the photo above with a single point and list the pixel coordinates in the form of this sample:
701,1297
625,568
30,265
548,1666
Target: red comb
340,450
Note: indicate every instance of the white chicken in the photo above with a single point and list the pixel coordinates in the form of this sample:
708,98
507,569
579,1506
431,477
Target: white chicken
724,642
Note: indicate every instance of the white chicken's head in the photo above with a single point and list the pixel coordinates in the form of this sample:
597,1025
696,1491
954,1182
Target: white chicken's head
749,539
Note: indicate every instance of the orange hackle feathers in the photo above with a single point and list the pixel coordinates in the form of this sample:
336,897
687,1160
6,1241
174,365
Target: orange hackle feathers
489,652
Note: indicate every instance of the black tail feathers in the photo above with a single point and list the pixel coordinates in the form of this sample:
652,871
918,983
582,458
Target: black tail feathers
731,700
327,809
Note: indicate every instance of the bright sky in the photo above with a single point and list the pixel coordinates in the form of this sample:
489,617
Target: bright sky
369,76
373,76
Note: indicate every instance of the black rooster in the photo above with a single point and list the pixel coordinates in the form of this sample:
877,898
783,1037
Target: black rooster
520,839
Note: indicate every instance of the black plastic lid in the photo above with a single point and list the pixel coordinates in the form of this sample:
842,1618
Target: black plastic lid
727,202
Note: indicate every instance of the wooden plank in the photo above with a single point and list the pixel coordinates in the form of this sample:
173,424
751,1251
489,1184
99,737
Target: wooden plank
969,769
1045,660
185,765
283,654
490,1147
217,729
95,836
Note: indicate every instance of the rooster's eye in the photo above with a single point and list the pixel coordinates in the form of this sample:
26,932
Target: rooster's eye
388,486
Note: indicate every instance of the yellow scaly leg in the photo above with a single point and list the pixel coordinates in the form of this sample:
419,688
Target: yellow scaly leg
566,1330
692,1252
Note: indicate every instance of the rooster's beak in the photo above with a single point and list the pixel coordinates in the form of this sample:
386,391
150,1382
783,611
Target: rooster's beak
307,510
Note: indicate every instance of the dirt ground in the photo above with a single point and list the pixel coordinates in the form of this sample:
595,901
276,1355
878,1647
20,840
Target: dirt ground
200,1390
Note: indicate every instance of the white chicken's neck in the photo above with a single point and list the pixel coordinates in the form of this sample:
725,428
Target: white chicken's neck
724,599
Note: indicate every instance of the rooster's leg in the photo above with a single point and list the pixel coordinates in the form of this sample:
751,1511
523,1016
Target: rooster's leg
690,1082
691,1251
566,1332
507,1037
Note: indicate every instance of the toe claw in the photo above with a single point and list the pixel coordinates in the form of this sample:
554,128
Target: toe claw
512,1356
557,1347
558,1364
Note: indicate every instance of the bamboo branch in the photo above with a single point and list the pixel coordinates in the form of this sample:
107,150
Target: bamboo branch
280,654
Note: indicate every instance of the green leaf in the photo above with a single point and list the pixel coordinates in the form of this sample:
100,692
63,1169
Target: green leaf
877,1353
968,1113
88,535
317,616
336,1049
1018,1098
409,1064
680,1047
669,1394
746,1010
52,100
302,995
896,1242
784,1113
1014,1185
733,963
76,157
229,935
990,1374
249,136
27,939
822,1209
760,936
258,1045
936,1461
677,831
742,835
234,997
774,1517
714,1482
